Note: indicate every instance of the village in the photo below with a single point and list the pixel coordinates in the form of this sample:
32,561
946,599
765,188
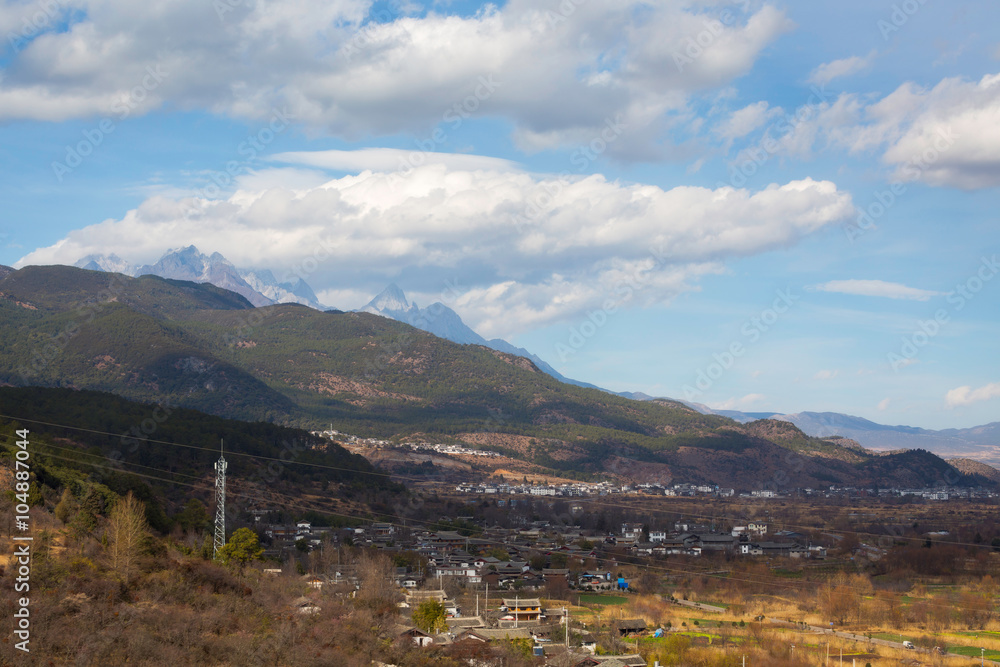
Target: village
538,556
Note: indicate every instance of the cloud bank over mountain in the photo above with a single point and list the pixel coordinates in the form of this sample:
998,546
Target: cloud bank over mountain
532,249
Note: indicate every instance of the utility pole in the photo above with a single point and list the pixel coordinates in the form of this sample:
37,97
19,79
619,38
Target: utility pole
566,620
220,502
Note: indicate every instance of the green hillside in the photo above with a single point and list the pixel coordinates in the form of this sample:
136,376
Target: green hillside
166,454
200,347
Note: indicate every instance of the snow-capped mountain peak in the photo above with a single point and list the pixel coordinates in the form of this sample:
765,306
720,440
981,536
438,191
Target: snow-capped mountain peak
389,300
110,263
258,286
443,322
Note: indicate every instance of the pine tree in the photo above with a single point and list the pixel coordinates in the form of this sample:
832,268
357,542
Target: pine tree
242,549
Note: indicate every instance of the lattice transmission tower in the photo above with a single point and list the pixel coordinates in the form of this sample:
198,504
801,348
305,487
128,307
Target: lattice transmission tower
220,502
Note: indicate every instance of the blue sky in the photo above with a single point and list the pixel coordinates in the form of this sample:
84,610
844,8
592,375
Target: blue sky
752,205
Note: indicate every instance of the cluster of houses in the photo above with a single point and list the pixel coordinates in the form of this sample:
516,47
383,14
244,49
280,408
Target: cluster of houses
524,618
455,450
690,539
568,489
337,436
541,555
683,489
932,493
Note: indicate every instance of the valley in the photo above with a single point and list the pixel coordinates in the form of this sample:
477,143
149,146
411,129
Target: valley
373,462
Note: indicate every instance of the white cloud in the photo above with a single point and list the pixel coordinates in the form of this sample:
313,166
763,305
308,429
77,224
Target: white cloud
744,121
529,250
826,375
558,74
878,288
954,140
289,178
946,136
836,69
742,403
393,159
883,404
966,395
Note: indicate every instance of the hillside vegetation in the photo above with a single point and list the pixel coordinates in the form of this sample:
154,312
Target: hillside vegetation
197,346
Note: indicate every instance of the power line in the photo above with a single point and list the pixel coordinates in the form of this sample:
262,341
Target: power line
297,503
421,479
260,457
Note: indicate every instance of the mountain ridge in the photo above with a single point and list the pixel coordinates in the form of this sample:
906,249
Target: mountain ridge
198,346
444,322
258,286
980,443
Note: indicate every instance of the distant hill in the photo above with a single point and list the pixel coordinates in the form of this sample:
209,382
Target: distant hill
124,444
981,443
971,467
200,347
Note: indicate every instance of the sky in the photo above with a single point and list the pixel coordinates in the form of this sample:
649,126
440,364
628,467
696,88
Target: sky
760,206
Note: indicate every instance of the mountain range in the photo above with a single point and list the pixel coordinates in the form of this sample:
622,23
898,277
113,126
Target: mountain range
980,443
195,345
258,286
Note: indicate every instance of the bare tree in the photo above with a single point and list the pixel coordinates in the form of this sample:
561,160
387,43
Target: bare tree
126,531
378,590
